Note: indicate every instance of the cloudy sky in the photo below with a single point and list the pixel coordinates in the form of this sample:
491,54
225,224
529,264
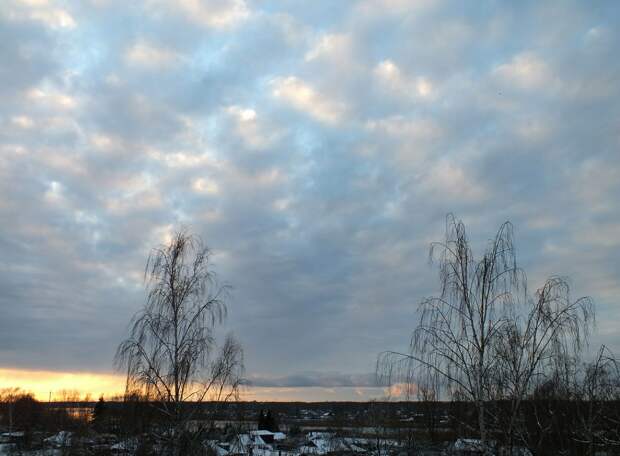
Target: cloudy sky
316,146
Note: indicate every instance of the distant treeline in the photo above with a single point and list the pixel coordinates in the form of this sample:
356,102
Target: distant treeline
551,423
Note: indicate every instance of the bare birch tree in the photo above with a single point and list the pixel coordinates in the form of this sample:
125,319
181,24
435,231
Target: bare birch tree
597,395
471,334
171,354
534,343
456,329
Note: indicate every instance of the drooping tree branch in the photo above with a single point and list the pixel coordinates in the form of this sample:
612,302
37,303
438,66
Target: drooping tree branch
171,355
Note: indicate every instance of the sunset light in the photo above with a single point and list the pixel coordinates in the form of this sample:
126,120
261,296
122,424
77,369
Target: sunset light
309,227
46,385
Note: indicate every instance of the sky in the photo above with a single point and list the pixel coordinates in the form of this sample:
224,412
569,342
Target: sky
316,147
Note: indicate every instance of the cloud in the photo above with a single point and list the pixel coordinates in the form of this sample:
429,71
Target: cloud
255,133
392,78
526,71
450,181
316,147
201,185
314,379
39,11
210,13
305,98
406,129
145,54
51,98
22,121
311,394
330,46
402,391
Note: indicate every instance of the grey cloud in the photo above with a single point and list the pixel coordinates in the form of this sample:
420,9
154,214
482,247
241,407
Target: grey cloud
314,379
322,229
25,55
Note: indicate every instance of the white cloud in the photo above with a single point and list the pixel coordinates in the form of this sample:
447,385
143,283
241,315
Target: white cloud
181,159
148,55
392,78
525,71
40,11
281,204
54,18
22,121
161,235
406,129
598,36
54,193
378,8
34,3
254,132
446,180
104,142
62,161
305,98
138,192
52,98
206,186
209,13
329,45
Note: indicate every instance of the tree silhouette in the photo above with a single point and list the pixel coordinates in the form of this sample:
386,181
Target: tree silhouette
482,338
171,354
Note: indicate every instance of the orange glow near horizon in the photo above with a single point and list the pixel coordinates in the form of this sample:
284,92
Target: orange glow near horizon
46,385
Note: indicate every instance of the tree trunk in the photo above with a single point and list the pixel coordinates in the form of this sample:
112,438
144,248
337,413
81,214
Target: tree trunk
481,423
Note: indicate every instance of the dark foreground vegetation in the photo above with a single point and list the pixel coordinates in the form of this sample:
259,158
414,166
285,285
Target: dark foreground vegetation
555,422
